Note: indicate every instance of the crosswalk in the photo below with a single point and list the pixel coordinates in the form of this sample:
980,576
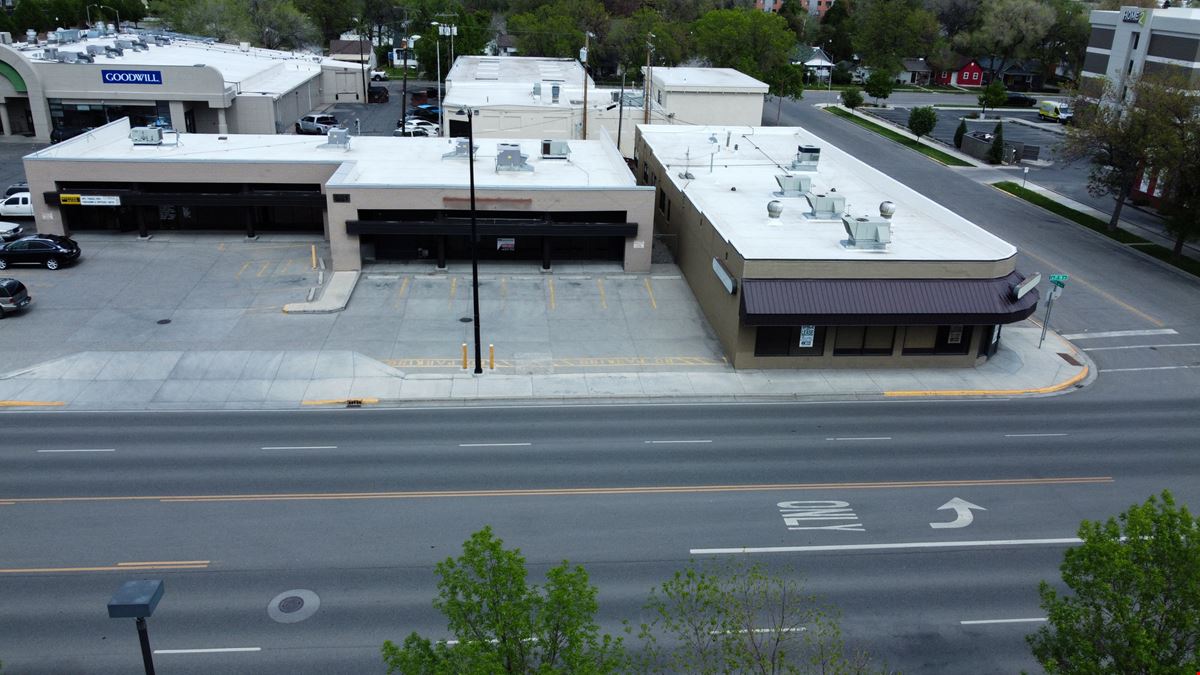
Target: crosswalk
1146,351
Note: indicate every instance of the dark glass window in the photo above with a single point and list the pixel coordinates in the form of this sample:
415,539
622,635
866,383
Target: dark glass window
937,339
789,341
864,340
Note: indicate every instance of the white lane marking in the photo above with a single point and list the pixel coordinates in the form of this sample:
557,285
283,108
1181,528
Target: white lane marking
82,450
492,445
300,447
1031,435
707,440
861,438
215,650
978,622
1172,344
884,547
1120,333
1134,370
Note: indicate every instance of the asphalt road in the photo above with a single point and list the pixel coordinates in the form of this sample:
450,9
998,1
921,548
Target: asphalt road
356,506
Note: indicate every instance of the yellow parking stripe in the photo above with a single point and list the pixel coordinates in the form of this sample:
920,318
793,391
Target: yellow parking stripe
603,297
650,292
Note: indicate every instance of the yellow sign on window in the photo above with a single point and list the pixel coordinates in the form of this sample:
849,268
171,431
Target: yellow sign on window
68,200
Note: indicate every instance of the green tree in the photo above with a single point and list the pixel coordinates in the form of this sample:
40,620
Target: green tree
33,14
278,24
628,39
922,120
331,17
756,43
1066,41
880,85
740,619
959,133
224,20
995,154
1170,105
836,32
1010,30
474,31
1135,589
852,98
557,30
886,31
956,16
993,96
1113,135
504,625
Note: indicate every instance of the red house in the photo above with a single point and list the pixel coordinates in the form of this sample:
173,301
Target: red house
968,74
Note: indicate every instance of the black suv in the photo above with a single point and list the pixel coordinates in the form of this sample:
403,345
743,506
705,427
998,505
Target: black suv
50,250
1019,101
13,296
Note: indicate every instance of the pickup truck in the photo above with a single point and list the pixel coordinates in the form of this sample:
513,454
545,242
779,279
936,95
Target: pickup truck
379,75
17,206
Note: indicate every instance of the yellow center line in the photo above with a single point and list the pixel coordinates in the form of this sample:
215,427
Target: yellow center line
166,562
582,491
119,567
603,297
650,291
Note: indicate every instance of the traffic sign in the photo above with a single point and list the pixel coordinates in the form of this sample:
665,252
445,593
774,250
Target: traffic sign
1059,277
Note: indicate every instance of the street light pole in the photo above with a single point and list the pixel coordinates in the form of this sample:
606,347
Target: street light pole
474,244
583,54
362,59
646,98
115,12
438,46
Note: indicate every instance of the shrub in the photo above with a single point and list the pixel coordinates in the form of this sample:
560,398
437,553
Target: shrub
995,153
922,120
959,133
852,98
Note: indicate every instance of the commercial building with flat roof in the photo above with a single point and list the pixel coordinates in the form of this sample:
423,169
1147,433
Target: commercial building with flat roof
381,198
83,79
1144,40
801,255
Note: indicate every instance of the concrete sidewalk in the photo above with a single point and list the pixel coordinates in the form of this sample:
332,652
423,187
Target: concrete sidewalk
163,380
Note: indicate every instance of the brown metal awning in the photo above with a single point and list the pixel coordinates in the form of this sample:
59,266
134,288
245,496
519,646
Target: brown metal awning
883,302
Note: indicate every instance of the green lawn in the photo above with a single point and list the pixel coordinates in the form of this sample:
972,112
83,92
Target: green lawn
1161,252
932,153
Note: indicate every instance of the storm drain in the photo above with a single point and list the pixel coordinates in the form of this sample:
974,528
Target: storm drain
293,606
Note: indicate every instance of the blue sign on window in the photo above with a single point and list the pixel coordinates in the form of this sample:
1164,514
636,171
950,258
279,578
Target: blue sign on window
131,76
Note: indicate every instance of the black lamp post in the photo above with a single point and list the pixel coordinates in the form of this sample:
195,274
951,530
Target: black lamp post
137,600
474,244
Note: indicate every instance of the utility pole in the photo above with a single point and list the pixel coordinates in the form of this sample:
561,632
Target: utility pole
621,110
646,99
583,54
404,67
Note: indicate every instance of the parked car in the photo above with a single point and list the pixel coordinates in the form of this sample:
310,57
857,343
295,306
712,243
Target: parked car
427,112
316,123
429,128
10,231
411,133
15,188
379,76
13,296
60,134
50,250
377,94
1019,101
19,205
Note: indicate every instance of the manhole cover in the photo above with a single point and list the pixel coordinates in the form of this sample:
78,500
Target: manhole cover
292,603
163,322
466,319
293,606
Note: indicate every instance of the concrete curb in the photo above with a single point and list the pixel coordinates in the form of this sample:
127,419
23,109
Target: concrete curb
948,149
334,297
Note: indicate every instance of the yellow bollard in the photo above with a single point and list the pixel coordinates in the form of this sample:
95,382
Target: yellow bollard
314,256
464,356
491,357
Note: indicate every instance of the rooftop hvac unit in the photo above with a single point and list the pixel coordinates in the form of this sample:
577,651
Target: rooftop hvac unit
84,58
867,232
460,149
68,57
146,135
66,35
829,205
793,186
509,158
537,89
555,149
31,36
114,51
339,138
554,91
95,50
244,46
807,157
123,44
50,53
5,38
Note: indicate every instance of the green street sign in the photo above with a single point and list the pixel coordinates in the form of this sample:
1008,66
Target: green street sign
1058,283
1059,277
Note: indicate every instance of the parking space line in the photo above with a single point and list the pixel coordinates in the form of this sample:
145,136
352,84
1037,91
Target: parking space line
400,294
453,290
551,281
603,297
263,270
238,276
503,292
650,292
283,268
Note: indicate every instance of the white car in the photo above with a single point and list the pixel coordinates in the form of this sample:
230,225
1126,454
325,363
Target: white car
428,127
10,231
19,205
379,75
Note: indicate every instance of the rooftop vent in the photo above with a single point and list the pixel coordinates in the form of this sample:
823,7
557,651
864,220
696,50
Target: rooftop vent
5,38
95,50
510,158
774,208
146,135
537,89
554,92
826,205
31,36
123,44
84,58
555,149
807,157
339,137
460,149
50,53
793,186
867,232
68,57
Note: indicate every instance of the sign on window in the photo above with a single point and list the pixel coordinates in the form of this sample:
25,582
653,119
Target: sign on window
807,336
954,337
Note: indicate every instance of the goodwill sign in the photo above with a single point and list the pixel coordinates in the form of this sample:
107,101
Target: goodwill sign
131,76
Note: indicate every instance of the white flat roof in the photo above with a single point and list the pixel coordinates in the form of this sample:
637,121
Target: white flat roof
735,193
509,81
261,71
706,79
370,161
522,69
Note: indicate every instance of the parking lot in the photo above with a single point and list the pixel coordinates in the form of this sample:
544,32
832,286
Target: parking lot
204,292
948,119
377,119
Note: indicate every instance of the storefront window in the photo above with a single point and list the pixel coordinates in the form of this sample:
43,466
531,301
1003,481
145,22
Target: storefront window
864,340
953,339
789,341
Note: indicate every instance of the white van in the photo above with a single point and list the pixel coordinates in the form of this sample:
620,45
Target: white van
1055,111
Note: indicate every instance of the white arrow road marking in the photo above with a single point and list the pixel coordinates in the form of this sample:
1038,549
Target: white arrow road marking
962,509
